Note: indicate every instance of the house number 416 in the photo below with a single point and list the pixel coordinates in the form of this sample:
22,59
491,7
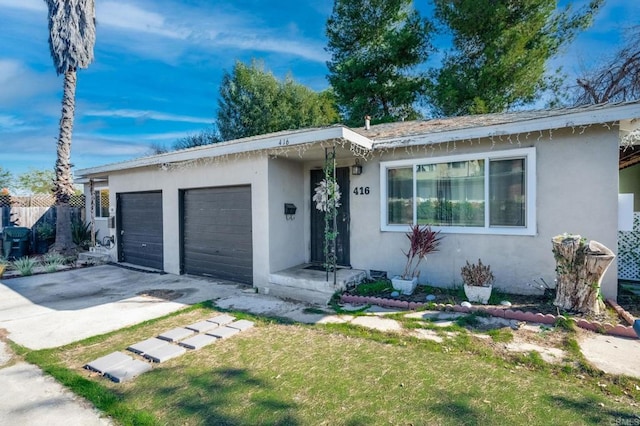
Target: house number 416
361,190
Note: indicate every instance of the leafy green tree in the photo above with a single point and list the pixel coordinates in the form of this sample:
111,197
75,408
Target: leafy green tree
376,47
205,137
252,102
616,80
500,51
72,35
6,179
37,181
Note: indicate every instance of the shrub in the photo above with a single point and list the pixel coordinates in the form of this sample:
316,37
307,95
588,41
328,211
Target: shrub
477,275
25,265
52,261
81,234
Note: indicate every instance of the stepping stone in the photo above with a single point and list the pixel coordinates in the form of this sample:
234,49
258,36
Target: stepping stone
128,371
147,345
241,325
223,332
165,353
202,326
176,334
197,342
108,362
223,319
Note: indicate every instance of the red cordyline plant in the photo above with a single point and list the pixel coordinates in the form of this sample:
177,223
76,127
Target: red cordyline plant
423,240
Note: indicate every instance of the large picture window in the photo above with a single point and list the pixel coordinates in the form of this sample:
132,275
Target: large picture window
485,193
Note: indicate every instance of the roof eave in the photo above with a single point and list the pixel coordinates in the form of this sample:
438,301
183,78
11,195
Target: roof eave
235,147
569,120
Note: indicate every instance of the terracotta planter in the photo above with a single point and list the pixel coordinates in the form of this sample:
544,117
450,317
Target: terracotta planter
404,286
477,294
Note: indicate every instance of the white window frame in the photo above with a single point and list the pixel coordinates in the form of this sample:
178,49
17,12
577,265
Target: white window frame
96,202
529,156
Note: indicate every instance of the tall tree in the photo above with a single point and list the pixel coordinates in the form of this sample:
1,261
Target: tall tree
500,52
376,47
204,137
6,179
252,102
37,181
71,39
617,79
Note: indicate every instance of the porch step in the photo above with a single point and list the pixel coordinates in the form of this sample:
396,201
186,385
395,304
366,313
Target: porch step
96,254
309,285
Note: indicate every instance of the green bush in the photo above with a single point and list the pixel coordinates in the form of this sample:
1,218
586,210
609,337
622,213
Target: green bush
373,288
25,265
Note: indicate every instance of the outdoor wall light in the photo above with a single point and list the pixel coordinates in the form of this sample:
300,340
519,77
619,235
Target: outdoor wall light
356,169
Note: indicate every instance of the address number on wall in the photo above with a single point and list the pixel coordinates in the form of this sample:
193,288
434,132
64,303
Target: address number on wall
361,190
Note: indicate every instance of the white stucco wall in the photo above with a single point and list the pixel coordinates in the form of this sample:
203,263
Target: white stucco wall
286,237
577,186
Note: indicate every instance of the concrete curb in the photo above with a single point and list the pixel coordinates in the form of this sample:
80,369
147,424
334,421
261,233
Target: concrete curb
606,328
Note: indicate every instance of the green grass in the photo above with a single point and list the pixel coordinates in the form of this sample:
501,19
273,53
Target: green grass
337,374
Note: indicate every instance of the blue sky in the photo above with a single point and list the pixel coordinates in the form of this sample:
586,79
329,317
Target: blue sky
158,65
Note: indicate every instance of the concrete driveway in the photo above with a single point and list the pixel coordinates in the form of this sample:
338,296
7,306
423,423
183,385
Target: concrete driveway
49,310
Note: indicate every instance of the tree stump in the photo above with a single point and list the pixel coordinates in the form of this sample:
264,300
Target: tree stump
579,269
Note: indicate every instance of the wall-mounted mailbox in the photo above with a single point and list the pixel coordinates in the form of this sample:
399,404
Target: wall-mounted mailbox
112,222
289,209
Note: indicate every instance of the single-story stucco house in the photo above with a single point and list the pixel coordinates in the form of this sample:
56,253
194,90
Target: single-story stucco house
498,186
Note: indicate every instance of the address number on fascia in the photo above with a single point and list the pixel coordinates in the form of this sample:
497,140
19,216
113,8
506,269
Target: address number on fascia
361,190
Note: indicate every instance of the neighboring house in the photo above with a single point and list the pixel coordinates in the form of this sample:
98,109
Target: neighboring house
498,186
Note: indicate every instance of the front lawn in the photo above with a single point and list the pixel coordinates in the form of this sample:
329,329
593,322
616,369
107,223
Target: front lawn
279,373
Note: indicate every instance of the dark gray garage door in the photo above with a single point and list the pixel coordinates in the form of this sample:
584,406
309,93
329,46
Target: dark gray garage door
139,218
216,233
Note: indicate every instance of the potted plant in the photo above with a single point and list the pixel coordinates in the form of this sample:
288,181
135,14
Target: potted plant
477,281
422,241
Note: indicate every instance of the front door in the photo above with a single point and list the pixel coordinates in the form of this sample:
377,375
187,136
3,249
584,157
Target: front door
317,220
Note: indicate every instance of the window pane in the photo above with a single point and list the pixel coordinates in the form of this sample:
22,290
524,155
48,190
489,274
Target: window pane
451,194
507,192
102,203
400,196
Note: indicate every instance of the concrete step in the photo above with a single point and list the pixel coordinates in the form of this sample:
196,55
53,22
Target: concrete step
309,285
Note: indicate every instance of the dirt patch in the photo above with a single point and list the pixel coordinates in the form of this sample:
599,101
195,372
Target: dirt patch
161,293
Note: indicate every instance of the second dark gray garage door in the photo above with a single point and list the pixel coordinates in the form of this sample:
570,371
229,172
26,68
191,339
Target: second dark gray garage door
216,233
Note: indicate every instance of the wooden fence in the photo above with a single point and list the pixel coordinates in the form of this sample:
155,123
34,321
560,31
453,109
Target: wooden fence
35,210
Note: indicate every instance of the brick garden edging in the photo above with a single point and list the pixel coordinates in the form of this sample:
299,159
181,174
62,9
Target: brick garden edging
606,328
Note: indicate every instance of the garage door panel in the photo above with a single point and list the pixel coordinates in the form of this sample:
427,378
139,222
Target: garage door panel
217,234
140,229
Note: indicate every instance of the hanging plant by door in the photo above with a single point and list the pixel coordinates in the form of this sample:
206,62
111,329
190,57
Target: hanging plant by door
327,199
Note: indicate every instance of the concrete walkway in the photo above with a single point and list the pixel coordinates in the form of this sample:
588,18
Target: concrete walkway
51,310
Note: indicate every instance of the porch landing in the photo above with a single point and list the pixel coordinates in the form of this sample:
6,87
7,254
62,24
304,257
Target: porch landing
309,285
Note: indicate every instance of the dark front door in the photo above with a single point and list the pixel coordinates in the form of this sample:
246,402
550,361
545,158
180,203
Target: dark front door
139,217
317,220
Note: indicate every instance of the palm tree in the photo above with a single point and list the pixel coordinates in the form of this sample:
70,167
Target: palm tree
72,35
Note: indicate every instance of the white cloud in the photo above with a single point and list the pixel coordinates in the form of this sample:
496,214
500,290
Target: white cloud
129,17
20,84
8,121
146,115
32,5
